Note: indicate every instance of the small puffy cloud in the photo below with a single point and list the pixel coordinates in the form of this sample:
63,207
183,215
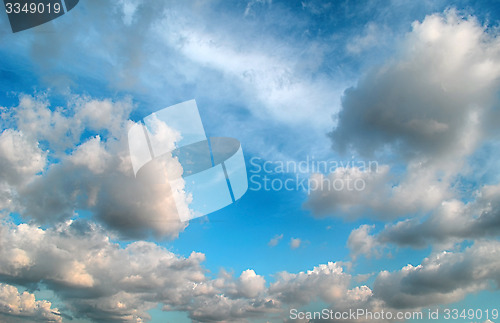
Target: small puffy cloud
295,243
327,282
22,307
274,241
360,242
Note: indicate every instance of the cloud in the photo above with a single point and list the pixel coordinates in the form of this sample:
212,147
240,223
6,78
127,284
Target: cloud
95,175
444,277
327,282
421,115
99,280
372,36
23,307
452,222
102,281
295,243
252,3
95,277
422,104
361,242
250,284
274,241
20,158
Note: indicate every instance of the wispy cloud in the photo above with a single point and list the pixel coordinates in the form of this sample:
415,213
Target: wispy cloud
274,241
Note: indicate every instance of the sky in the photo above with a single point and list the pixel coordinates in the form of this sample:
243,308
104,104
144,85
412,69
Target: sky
368,129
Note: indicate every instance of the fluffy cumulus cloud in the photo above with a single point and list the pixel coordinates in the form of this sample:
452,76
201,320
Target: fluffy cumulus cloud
96,175
96,277
99,280
423,104
421,114
105,282
23,307
20,160
428,110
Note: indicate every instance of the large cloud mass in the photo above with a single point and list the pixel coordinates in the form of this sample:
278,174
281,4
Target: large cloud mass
424,112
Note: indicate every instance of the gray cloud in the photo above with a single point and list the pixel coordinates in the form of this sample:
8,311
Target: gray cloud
95,176
454,221
444,277
427,105
426,110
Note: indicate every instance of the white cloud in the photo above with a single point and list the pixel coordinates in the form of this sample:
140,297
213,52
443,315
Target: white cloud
250,284
96,175
93,275
327,282
426,110
20,158
98,279
424,103
252,3
24,306
360,242
282,92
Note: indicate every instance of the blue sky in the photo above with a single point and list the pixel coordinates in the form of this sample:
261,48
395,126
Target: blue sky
409,85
